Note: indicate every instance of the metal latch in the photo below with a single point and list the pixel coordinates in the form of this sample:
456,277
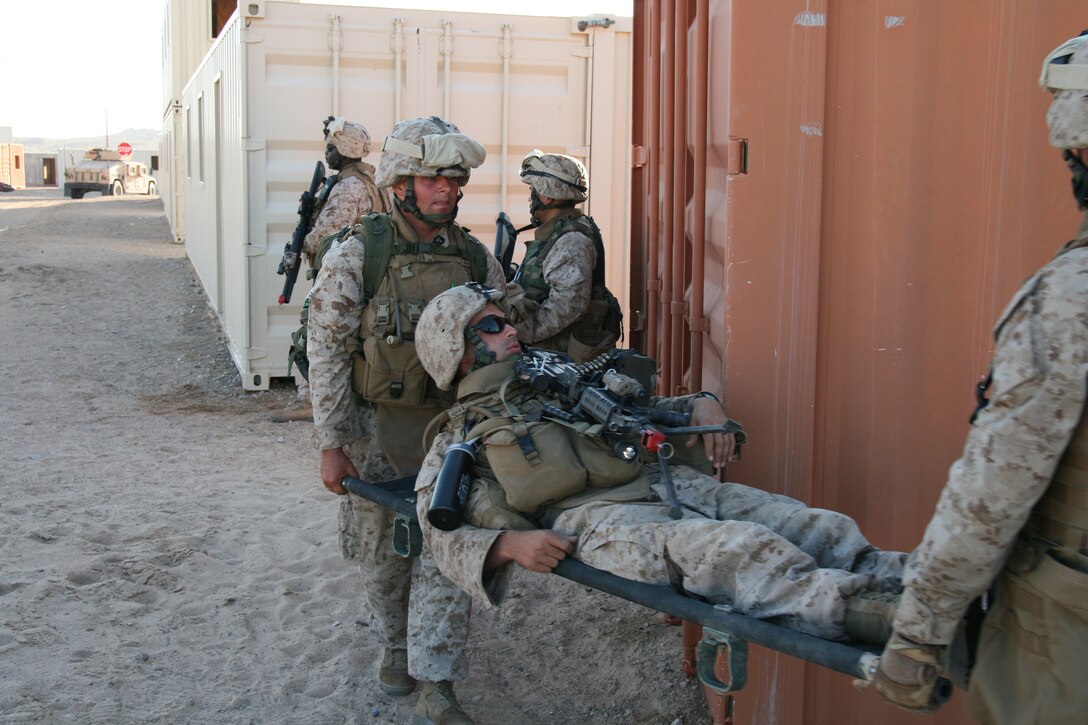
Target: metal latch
407,536
595,23
718,646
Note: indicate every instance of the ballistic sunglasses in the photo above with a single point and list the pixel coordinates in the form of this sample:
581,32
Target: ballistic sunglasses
492,325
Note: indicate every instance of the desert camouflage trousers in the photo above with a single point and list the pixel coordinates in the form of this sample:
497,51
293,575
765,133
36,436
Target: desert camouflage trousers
410,603
768,556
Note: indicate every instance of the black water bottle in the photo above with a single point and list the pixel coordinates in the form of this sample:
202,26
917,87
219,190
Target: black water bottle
451,488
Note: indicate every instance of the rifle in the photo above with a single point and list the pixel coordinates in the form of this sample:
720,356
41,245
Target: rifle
292,251
505,237
597,393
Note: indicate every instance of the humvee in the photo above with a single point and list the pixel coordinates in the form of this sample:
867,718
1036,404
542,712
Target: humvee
104,170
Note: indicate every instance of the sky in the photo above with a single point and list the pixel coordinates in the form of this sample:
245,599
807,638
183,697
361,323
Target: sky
48,89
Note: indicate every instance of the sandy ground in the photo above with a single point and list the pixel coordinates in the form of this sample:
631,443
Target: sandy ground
168,554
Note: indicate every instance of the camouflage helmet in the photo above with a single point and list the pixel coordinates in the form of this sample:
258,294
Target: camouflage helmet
1065,74
440,333
427,147
349,138
555,175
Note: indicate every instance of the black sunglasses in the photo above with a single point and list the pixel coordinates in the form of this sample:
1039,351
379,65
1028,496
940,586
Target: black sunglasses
492,325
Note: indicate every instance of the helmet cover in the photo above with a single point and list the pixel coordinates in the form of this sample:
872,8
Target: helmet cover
440,333
1065,74
428,147
349,138
555,175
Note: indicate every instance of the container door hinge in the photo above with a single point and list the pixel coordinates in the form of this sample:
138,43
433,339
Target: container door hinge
699,324
639,157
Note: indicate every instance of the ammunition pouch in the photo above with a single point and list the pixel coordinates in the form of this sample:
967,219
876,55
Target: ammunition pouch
529,481
389,374
563,461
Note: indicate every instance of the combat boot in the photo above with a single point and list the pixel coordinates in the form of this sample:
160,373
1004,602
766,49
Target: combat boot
438,706
869,616
393,675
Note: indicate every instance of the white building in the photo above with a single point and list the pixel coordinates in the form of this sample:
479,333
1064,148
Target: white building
242,131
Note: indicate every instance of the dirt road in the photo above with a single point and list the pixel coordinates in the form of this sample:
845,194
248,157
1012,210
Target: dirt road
167,553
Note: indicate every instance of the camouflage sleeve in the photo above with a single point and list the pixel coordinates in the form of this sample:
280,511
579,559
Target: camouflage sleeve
1040,369
336,308
347,201
460,553
496,278
568,270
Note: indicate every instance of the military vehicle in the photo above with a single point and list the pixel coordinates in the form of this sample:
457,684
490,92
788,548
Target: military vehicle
106,171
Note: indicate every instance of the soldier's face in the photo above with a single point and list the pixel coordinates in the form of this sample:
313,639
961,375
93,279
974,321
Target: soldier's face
503,343
332,156
435,194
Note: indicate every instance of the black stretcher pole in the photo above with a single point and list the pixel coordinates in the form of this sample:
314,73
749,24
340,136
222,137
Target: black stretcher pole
848,659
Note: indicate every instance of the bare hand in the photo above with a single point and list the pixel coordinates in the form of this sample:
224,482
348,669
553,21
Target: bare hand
335,464
540,550
720,447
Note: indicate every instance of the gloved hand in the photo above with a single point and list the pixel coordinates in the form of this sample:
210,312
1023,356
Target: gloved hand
907,674
518,306
513,293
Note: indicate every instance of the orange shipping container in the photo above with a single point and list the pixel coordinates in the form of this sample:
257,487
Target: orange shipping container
832,201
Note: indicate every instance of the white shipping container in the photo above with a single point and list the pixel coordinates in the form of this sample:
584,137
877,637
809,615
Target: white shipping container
249,133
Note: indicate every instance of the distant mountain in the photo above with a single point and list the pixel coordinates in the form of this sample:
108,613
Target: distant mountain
140,138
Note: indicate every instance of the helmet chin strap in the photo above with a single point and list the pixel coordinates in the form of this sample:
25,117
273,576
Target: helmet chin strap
408,204
536,204
483,356
1080,177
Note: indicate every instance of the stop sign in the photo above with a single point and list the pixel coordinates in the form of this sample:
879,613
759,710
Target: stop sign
125,148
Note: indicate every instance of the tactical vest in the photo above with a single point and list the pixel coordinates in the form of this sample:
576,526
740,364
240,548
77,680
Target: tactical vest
601,326
399,279
364,172
1059,519
528,463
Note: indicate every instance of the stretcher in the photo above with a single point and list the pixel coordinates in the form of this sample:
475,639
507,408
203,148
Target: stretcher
715,639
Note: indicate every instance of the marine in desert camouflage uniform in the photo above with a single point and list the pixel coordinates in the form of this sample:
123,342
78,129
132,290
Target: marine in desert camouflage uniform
554,288
1015,508
429,618
767,555
355,193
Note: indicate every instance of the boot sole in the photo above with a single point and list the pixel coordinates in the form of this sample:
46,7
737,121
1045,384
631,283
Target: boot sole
395,691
